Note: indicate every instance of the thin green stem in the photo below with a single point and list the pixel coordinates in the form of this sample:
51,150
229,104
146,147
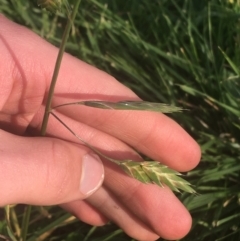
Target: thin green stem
9,225
50,97
25,223
84,142
57,67
52,226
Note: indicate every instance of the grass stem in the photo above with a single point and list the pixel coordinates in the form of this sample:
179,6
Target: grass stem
84,142
25,223
57,67
50,97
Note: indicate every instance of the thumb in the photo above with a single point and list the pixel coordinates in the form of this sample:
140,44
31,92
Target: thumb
46,171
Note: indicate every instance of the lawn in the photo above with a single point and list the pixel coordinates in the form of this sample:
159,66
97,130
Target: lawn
185,53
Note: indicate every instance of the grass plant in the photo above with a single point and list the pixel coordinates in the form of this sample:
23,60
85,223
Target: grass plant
185,53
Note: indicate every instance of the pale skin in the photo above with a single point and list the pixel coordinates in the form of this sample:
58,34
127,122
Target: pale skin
47,170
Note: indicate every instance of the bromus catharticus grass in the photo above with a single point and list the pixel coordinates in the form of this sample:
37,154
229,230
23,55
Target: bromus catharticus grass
145,171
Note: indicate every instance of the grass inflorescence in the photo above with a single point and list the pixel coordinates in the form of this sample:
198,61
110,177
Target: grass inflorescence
145,171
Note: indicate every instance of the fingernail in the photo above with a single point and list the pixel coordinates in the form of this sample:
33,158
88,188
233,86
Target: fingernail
92,174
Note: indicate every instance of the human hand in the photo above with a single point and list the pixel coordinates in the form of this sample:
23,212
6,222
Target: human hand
47,170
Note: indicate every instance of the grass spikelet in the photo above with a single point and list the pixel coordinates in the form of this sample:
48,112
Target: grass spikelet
128,105
134,169
155,172
52,5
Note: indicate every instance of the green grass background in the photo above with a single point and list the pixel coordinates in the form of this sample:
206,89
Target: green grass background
178,52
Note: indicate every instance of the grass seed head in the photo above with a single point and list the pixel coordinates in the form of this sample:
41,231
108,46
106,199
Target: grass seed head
51,5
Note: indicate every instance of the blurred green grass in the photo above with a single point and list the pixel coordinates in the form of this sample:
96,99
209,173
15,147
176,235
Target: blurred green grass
178,52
